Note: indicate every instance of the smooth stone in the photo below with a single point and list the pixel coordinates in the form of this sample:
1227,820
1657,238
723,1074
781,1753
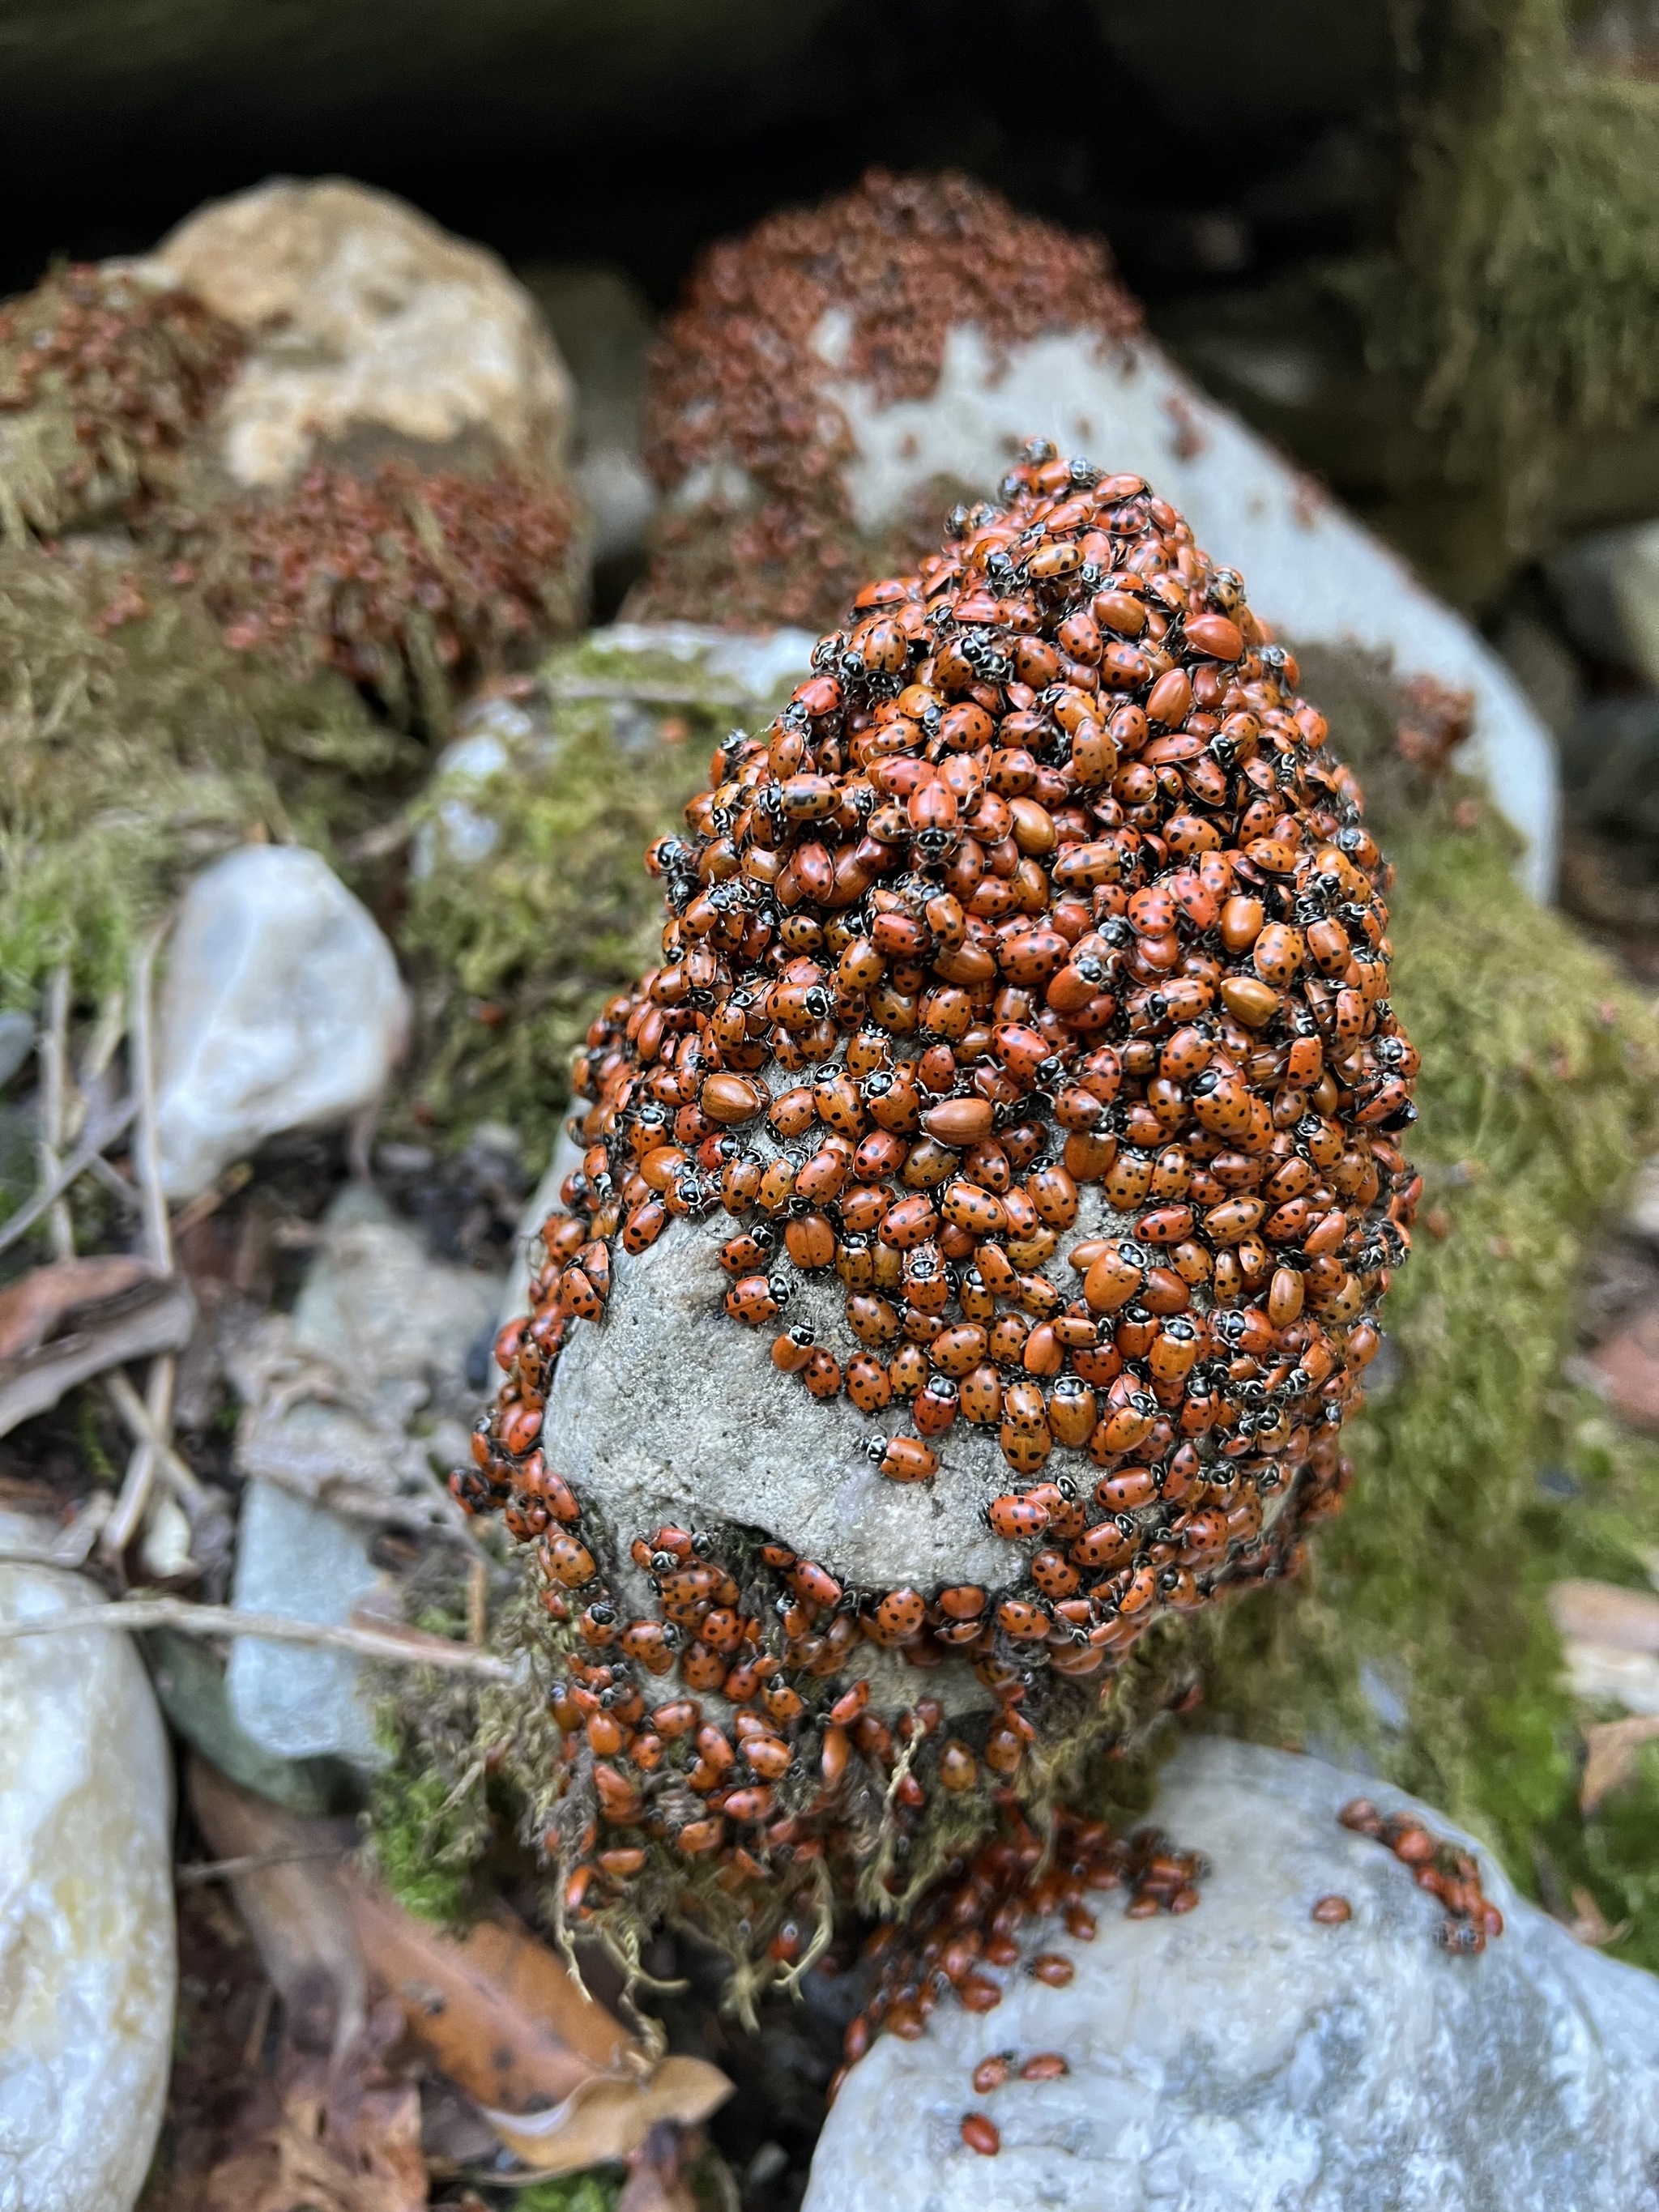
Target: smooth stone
365,1383
1641,1217
1247,2059
280,1009
371,332
307,1564
16,1041
87,1955
603,326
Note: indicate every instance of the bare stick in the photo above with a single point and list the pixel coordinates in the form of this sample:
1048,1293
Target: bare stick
53,1055
180,1477
142,1613
205,1870
134,1501
71,1172
146,1151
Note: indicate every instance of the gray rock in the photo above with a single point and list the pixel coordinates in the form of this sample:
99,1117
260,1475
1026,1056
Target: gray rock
1608,588
670,1409
16,1041
603,327
1643,1218
1247,2059
362,1391
281,1008
87,1957
307,1564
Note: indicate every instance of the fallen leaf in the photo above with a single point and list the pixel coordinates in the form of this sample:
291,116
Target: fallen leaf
31,1309
609,2118
1628,1369
296,1912
495,2008
152,1315
1605,1612
1611,1747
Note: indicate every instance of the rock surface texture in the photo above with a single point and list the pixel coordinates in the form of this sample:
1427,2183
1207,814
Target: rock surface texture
363,1388
1250,2059
370,332
281,1008
86,1968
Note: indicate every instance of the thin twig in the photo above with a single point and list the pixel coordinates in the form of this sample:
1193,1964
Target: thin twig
114,1181
134,1501
52,1052
71,1172
144,1613
353,1501
206,1870
181,1478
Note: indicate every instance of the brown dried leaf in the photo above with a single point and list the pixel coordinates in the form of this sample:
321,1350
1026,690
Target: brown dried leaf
347,2140
31,1308
609,2118
494,2009
295,1912
1611,1747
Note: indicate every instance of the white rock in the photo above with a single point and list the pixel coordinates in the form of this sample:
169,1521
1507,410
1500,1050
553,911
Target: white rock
1309,568
1246,2058
365,1384
370,328
281,1008
87,1960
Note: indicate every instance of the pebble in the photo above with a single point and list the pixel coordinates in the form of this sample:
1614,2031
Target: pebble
280,1009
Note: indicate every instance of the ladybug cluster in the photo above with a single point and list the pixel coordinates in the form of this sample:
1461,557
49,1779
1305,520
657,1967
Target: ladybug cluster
1445,1869
1041,899
738,377
136,368
401,578
965,1932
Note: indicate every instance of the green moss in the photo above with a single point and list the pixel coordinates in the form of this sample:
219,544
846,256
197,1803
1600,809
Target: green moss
1520,298
429,1835
516,950
135,745
595,2191
1536,1101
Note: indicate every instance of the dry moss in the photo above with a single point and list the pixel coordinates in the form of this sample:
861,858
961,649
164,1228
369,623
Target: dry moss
135,745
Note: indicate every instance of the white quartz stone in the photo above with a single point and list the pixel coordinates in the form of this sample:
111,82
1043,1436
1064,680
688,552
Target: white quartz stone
280,1009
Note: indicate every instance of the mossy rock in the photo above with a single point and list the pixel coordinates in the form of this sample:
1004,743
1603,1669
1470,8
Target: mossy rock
528,901
136,745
